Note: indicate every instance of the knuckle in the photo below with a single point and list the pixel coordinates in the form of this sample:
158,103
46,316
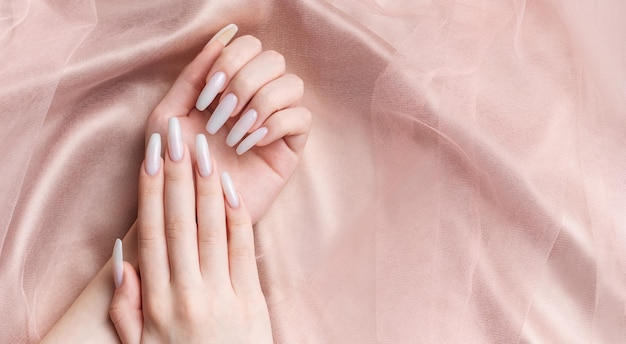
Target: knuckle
146,235
175,228
239,220
189,309
266,99
307,116
252,42
210,237
235,56
275,57
296,83
159,116
155,313
206,191
173,175
241,254
242,86
232,60
151,190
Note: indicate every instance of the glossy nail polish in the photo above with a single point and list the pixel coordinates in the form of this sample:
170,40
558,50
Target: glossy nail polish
222,113
240,128
175,139
153,155
210,90
251,140
229,190
203,158
118,263
225,35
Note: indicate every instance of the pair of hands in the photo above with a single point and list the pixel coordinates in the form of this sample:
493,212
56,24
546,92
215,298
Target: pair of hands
199,279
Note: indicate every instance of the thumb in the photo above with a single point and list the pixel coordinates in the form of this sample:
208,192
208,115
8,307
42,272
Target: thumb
125,308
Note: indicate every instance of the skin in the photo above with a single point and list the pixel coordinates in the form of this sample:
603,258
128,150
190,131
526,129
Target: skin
275,96
199,280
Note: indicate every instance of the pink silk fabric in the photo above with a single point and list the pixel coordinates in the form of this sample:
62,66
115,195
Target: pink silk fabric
464,180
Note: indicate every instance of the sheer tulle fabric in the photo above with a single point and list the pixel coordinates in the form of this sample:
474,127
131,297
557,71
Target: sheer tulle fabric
464,181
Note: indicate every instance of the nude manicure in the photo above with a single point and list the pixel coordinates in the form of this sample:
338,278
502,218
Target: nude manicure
203,158
153,155
251,140
229,190
118,263
210,90
175,139
225,35
240,128
222,113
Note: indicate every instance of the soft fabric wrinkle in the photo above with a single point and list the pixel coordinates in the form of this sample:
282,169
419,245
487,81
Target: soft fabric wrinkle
534,175
20,130
463,180
12,14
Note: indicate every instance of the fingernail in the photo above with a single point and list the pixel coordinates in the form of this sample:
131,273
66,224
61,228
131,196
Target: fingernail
118,263
210,90
225,35
241,127
229,190
222,113
153,155
251,140
175,139
202,156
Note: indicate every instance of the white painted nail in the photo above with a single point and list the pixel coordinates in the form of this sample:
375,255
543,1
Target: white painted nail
153,155
251,140
118,263
210,90
203,157
229,190
225,35
240,128
222,113
175,139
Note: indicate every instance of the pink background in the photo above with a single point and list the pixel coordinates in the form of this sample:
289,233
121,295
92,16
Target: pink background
464,180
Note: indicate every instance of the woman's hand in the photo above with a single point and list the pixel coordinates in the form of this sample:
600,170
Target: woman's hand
199,280
258,99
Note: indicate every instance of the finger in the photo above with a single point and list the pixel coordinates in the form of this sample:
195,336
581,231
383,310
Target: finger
125,308
291,124
151,245
232,58
183,94
211,218
244,276
180,208
277,95
264,68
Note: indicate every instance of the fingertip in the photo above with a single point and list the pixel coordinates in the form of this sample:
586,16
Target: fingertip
125,307
129,287
126,295
225,35
232,196
118,263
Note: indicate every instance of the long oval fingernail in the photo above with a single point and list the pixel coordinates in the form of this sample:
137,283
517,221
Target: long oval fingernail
153,155
225,35
251,140
229,190
240,128
175,139
222,113
203,158
210,90
118,263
